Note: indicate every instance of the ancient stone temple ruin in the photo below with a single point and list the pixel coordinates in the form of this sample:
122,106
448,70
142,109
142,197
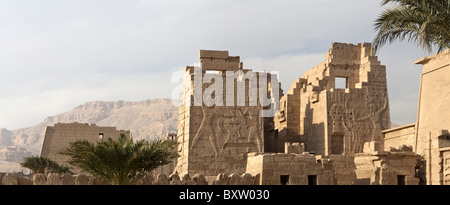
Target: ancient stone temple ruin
429,135
58,137
332,127
327,128
332,118
221,115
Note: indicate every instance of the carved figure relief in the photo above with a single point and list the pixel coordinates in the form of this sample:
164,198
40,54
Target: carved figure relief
206,129
242,130
348,120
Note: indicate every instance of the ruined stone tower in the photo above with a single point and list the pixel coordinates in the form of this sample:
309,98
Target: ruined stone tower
225,112
338,105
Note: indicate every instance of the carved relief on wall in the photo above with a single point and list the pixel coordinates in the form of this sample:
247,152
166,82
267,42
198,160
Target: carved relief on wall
446,168
281,115
359,123
388,176
241,127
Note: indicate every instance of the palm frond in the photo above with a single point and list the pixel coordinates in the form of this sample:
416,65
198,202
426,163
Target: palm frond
424,22
120,161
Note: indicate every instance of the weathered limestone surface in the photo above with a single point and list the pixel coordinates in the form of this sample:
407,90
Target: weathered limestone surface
59,136
54,179
398,136
68,179
175,179
81,179
199,179
25,181
343,168
10,179
186,180
221,179
216,139
160,179
39,179
333,120
445,166
296,168
219,61
433,124
376,167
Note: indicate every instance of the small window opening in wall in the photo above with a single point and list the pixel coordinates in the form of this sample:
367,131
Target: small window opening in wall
312,179
212,71
401,179
340,83
100,135
284,179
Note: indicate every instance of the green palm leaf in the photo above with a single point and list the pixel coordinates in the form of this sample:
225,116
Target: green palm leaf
424,22
120,161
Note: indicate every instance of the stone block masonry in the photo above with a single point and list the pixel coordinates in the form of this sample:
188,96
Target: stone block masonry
59,136
222,115
395,167
160,179
323,120
433,124
294,167
331,119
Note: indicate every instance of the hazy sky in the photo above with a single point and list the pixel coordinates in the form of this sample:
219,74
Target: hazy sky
55,55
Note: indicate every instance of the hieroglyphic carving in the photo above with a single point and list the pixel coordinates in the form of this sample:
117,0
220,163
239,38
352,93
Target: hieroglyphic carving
346,118
376,112
242,128
216,137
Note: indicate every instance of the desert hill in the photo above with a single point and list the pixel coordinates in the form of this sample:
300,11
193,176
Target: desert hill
147,119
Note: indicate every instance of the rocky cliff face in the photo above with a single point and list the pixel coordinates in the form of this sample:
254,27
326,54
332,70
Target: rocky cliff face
148,119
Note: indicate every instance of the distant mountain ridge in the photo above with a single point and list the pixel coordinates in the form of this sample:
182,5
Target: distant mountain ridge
147,119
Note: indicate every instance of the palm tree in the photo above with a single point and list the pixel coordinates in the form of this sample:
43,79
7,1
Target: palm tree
122,161
42,164
425,22
36,164
59,169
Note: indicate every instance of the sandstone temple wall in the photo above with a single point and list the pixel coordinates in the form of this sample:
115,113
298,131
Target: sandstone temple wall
216,138
433,124
398,136
394,167
337,120
429,135
294,169
59,136
297,167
